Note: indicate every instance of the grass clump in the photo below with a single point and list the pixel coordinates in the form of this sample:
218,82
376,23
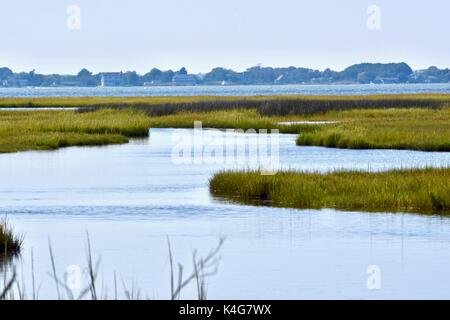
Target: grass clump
412,129
10,243
408,190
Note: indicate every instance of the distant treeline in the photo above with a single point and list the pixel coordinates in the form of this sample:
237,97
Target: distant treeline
360,73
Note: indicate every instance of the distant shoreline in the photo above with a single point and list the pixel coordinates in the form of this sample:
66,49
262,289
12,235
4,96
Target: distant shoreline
225,91
169,85
363,73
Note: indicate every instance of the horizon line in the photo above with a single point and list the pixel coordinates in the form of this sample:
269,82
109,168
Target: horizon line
227,68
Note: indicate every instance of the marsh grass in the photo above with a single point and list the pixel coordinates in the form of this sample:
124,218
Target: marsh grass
408,190
114,121
412,129
300,105
47,130
10,242
231,119
265,105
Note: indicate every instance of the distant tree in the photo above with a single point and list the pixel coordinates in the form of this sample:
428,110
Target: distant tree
403,76
220,75
84,73
446,77
259,75
85,78
433,74
34,79
51,80
298,75
154,75
388,70
330,76
167,76
327,73
131,78
5,73
183,71
159,76
366,77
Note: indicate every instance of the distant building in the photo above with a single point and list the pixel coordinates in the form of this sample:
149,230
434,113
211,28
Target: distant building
184,80
111,79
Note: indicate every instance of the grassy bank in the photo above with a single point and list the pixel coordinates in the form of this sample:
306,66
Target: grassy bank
114,120
413,129
265,105
420,191
48,130
10,243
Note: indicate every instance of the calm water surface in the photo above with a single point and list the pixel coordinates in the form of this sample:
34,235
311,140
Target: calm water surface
248,90
131,197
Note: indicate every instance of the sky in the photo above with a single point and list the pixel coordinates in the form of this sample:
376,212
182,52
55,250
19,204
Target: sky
61,36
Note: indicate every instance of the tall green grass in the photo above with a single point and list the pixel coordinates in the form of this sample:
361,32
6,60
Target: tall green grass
426,129
46,130
413,129
279,105
265,105
230,119
408,190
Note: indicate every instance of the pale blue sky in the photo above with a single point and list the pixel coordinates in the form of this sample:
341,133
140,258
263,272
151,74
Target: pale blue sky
201,34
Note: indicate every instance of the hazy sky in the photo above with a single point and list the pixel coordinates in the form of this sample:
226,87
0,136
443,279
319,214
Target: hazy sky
201,34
